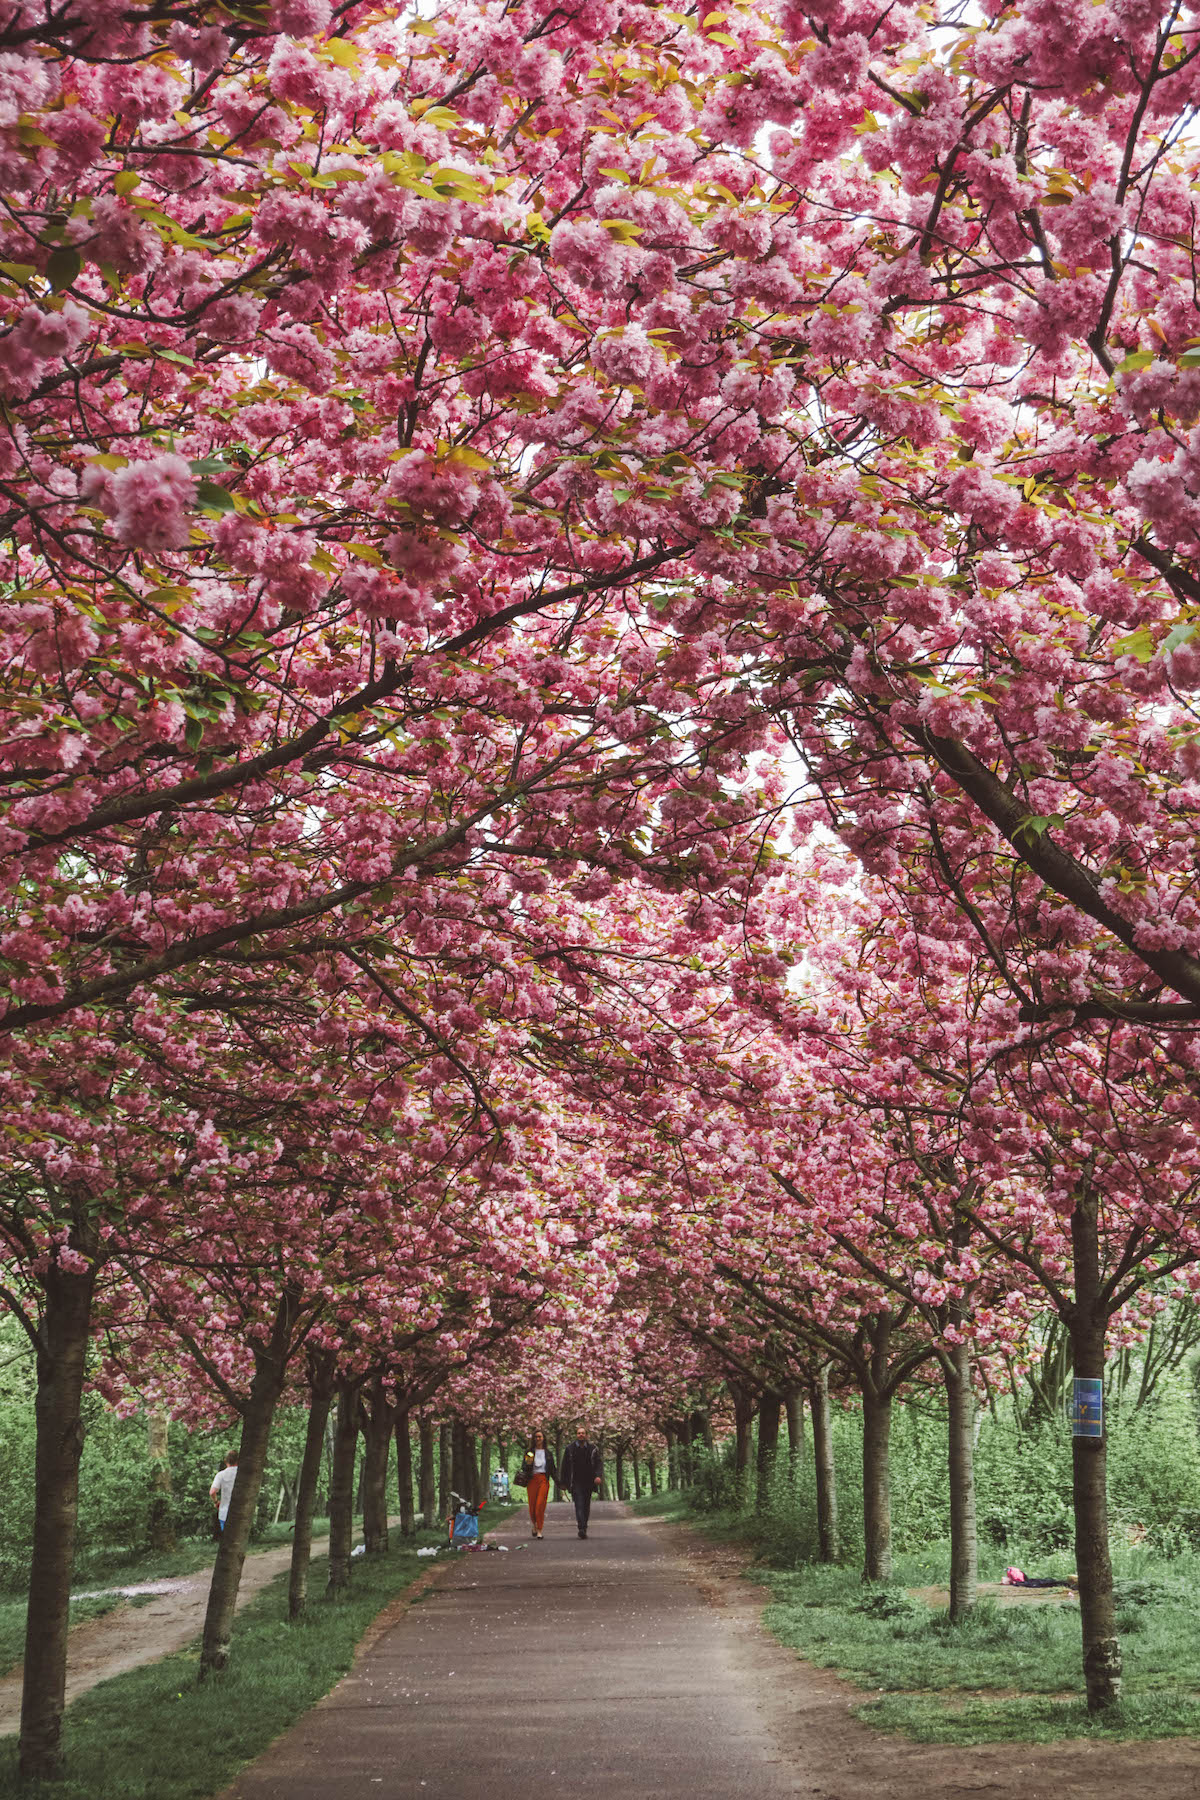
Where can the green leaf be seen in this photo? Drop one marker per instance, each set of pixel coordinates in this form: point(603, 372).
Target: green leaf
point(63, 266)
point(1139, 643)
point(1140, 359)
point(213, 498)
point(1037, 825)
point(1178, 634)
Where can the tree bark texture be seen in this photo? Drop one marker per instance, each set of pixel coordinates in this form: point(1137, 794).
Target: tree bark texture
point(61, 1362)
point(687, 1472)
point(964, 1542)
point(1089, 1456)
point(825, 1470)
point(258, 1414)
point(877, 1491)
point(161, 1520)
point(769, 1410)
point(404, 1475)
point(558, 1456)
point(320, 1399)
point(444, 1468)
point(460, 1479)
point(743, 1419)
point(793, 1402)
point(341, 1489)
point(428, 1473)
point(652, 1467)
point(378, 1420)
point(620, 1471)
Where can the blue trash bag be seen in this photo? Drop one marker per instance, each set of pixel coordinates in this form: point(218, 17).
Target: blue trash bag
point(466, 1529)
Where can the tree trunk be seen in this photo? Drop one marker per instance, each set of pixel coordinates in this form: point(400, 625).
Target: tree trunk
point(404, 1475)
point(327, 1464)
point(485, 1465)
point(769, 1411)
point(1089, 1455)
point(686, 1471)
point(637, 1476)
point(620, 1471)
point(444, 1469)
point(161, 1522)
point(652, 1465)
point(877, 1494)
point(61, 1360)
point(558, 1456)
point(377, 1428)
point(964, 1544)
point(270, 1367)
point(829, 1548)
point(672, 1458)
point(459, 1478)
point(428, 1474)
point(320, 1399)
point(472, 1490)
point(793, 1402)
point(341, 1489)
point(743, 1415)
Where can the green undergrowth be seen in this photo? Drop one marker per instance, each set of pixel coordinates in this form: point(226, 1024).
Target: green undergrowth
point(158, 1734)
point(1006, 1673)
point(661, 1506)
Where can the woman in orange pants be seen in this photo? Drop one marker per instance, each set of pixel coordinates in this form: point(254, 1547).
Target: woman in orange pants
point(538, 1466)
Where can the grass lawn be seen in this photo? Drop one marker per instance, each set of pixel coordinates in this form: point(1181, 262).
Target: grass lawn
point(1005, 1673)
point(157, 1734)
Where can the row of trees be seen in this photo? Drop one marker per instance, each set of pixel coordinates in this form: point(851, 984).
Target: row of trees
point(598, 757)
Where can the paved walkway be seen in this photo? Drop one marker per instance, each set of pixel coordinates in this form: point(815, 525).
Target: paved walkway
point(587, 1668)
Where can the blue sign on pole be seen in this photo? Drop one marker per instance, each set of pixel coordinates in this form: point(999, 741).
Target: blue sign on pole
point(1087, 1408)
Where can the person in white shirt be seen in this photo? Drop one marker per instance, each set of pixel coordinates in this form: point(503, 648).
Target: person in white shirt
point(222, 1488)
point(538, 1468)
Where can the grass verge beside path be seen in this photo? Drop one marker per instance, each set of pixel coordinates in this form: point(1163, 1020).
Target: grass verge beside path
point(117, 1568)
point(1007, 1673)
point(157, 1734)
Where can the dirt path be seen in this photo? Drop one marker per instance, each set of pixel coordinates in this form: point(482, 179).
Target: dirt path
point(130, 1636)
point(637, 1664)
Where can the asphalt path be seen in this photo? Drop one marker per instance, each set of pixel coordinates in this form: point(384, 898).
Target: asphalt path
point(592, 1667)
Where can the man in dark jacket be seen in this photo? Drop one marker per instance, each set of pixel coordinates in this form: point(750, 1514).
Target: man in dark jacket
point(582, 1472)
